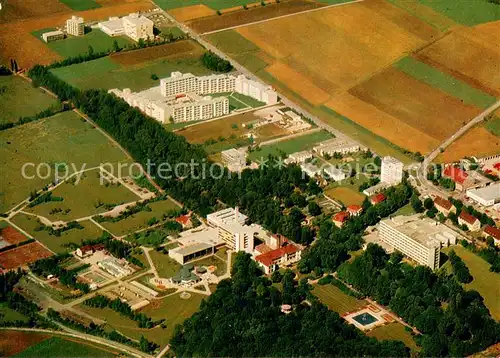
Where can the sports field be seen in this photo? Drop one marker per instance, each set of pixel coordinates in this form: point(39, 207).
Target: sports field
point(73, 46)
point(290, 146)
point(83, 196)
point(80, 5)
point(133, 70)
point(19, 99)
point(337, 300)
point(63, 138)
point(346, 195)
point(57, 244)
point(394, 331)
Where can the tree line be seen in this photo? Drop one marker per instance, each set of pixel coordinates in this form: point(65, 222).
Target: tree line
point(215, 63)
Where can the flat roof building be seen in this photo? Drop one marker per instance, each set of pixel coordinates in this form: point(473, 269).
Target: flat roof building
point(336, 145)
point(138, 27)
point(391, 171)
point(234, 159)
point(112, 27)
point(487, 196)
point(416, 237)
point(232, 229)
point(299, 157)
point(52, 36)
point(75, 26)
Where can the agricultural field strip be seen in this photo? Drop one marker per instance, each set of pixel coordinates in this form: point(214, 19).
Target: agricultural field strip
point(281, 17)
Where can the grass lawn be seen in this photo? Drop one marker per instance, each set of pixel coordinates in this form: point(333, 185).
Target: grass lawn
point(19, 99)
point(9, 315)
point(405, 210)
point(485, 282)
point(221, 266)
point(63, 138)
point(468, 13)
point(57, 244)
point(139, 220)
point(291, 146)
point(61, 347)
point(165, 266)
point(493, 126)
point(84, 197)
point(444, 82)
point(80, 5)
point(337, 300)
point(144, 279)
point(214, 4)
point(73, 46)
point(394, 331)
point(249, 101)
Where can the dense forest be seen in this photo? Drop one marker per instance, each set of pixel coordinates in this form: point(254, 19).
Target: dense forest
point(243, 318)
point(453, 321)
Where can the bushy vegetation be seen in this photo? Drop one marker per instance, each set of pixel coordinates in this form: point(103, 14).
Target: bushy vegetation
point(490, 254)
point(215, 63)
point(44, 198)
point(460, 270)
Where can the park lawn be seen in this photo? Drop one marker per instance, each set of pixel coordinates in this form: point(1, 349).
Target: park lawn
point(106, 74)
point(485, 282)
point(493, 126)
point(165, 266)
point(84, 197)
point(337, 300)
point(18, 98)
point(444, 82)
point(214, 4)
point(144, 279)
point(63, 138)
point(247, 100)
point(468, 13)
point(394, 331)
point(290, 146)
point(61, 347)
point(221, 265)
point(54, 243)
point(80, 5)
point(9, 315)
point(405, 210)
point(140, 220)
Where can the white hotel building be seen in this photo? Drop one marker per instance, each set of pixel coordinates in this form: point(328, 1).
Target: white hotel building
point(75, 26)
point(134, 26)
point(391, 171)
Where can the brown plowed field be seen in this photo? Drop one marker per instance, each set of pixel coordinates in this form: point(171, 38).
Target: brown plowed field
point(16, 40)
point(15, 10)
point(13, 342)
point(191, 12)
point(153, 53)
point(23, 255)
point(12, 236)
point(469, 54)
point(241, 16)
point(420, 106)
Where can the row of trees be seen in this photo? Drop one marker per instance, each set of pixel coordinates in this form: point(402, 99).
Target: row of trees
point(460, 270)
point(56, 108)
point(453, 321)
point(213, 62)
point(243, 318)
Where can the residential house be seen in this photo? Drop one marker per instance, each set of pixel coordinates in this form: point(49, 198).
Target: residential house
point(493, 232)
point(444, 206)
point(472, 223)
point(377, 198)
point(354, 210)
point(340, 218)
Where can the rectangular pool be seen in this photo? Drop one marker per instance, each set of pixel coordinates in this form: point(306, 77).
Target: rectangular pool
point(365, 319)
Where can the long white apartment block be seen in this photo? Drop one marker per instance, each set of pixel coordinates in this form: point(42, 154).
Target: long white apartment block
point(418, 238)
point(75, 26)
point(391, 171)
point(52, 36)
point(336, 145)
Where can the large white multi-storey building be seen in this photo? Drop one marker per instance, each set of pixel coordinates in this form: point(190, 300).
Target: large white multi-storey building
point(75, 26)
point(417, 238)
point(391, 171)
point(134, 26)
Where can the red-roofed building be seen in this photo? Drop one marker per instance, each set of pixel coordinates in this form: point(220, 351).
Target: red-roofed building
point(340, 218)
point(377, 198)
point(285, 255)
point(84, 251)
point(472, 223)
point(354, 210)
point(444, 206)
point(497, 166)
point(460, 177)
point(493, 232)
point(184, 220)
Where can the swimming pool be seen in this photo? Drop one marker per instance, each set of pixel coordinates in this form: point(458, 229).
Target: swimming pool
point(365, 319)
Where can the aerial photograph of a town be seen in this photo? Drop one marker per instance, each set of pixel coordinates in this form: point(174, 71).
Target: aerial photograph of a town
point(249, 178)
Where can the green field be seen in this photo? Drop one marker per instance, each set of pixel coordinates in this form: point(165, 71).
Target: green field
point(493, 126)
point(106, 74)
point(165, 266)
point(291, 146)
point(9, 315)
point(221, 265)
point(84, 197)
point(405, 210)
point(139, 220)
point(63, 138)
point(79, 45)
point(394, 331)
point(468, 13)
point(80, 5)
point(57, 244)
point(60, 347)
point(446, 83)
point(485, 282)
point(337, 300)
point(214, 4)
point(19, 99)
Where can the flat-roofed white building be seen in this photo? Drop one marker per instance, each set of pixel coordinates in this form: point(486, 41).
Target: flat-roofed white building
point(336, 145)
point(418, 238)
point(75, 26)
point(138, 27)
point(299, 157)
point(112, 27)
point(234, 159)
point(310, 169)
point(52, 36)
point(232, 229)
point(391, 171)
point(487, 196)
point(334, 173)
point(257, 90)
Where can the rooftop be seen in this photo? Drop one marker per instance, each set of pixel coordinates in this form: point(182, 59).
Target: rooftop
point(391, 160)
point(341, 216)
point(192, 248)
point(439, 201)
point(492, 231)
point(354, 208)
point(268, 258)
point(456, 174)
point(490, 192)
point(468, 217)
point(377, 198)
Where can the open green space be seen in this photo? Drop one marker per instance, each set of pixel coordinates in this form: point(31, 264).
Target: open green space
point(221, 265)
point(57, 244)
point(294, 145)
point(493, 126)
point(165, 266)
point(336, 300)
point(84, 195)
point(214, 4)
point(140, 220)
point(444, 82)
point(485, 282)
point(18, 98)
point(468, 13)
point(106, 74)
point(405, 210)
point(80, 5)
point(63, 138)
point(73, 46)
point(394, 331)
point(60, 347)
point(9, 315)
